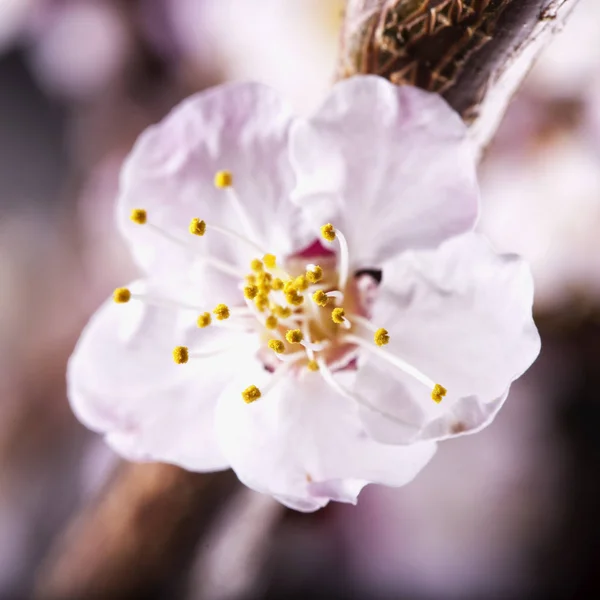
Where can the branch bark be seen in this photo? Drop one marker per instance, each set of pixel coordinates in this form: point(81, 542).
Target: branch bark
point(473, 52)
point(137, 537)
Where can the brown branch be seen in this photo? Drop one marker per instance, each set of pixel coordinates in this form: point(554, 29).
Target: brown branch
point(137, 537)
point(473, 52)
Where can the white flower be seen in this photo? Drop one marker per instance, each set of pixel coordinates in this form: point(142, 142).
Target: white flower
point(390, 169)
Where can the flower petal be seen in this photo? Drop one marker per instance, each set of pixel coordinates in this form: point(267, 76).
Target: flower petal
point(389, 166)
point(304, 443)
point(462, 316)
point(122, 381)
point(242, 128)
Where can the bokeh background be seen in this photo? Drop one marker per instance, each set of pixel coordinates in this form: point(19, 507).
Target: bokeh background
point(509, 513)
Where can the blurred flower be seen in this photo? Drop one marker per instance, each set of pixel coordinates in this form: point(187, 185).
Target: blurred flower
point(291, 46)
point(540, 179)
point(76, 48)
point(546, 206)
point(13, 18)
point(79, 48)
point(320, 390)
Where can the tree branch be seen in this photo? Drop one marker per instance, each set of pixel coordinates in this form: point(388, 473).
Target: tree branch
point(137, 537)
point(473, 52)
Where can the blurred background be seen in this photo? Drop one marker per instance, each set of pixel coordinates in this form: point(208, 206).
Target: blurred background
point(509, 513)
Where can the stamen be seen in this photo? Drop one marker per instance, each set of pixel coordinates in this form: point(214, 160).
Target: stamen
point(277, 284)
point(277, 346)
point(233, 235)
point(392, 359)
point(250, 279)
point(121, 295)
point(294, 336)
point(314, 273)
point(360, 320)
point(343, 391)
point(282, 312)
point(312, 365)
point(181, 355)
point(275, 378)
point(336, 294)
point(328, 232)
point(251, 394)
point(270, 261)
point(261, 302)
point(209, 260)
point(300, 283)
point(289, 287)
point(320, 298)
point(337, 315)
point(256, 265)
point(381, 337)
point(222, 312)
point(294, 298)
point(438, 393)
point(223, 179)
point(271, 322)
point(204, 320)
point(222, 266)
point(344, 268)
point(250, 292)
point(197, 227)
point(139, 216)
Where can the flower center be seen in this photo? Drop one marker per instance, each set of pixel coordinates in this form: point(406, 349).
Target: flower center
point(309, 316)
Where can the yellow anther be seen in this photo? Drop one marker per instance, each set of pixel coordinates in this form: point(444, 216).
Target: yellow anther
point(263, 278)
point(320, 298)
point(271, 322)
point(294, 336)
point(251, 394)
point(197, 227)
point(222, 312)
point(223, 179)
point(181, 355)
point(315, 274)
point(283, 312)
point(203, 320)
point(250, 292)
point(328, 232)
point(294, 298)
point(438, 393)
point(250, 279)
point(300, 283)
point(139, 216)
point(270, 261)
point(381, 337)
point(337, 315)
point(312, 365)
point(121, 295)
point(289, 287)
point(277, 346)
point(256, 265)
point(261, 302)
point(276, 284)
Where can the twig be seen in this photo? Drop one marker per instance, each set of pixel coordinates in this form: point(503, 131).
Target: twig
point(137, 537)
point(473, 52)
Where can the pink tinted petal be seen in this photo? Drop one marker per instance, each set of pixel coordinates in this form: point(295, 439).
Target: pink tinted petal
point(462, 316)
point(122, 381)
point(242, 128)
point(389, 166)
point(304, 443)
